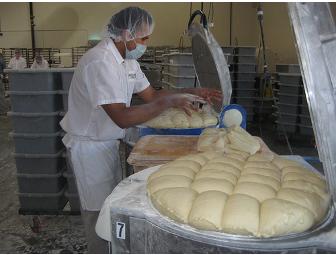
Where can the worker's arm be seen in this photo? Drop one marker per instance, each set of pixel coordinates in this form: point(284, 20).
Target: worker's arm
point(126, 117)
point(150, 94)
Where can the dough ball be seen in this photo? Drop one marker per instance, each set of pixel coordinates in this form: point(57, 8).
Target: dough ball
point(223, 167)
point(213, 131)
point(258, 191)
point(309, 177)
point(200, 159)
point(241, 215)
point(229, 161)
point(236, 156)
point(229, 150)
point(232, 117)
point(193, 165)
point(311, 201)
point(265, 172)
point(283, 162)
point(206, 143)
point(260, 179)
point(212, 154)
point(195, 121)
point(217, 174)
point(175, 203)
point(206, 184)
point(220, 143)
point(180, 120)
point(187, 172)
point(279, 217)
point(163, 122)
point(261, 157)
point(168, 181)
point(207, 210)
point(265, 165)
point(209, 120)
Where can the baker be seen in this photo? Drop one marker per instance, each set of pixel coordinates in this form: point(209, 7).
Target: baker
point(99, 110)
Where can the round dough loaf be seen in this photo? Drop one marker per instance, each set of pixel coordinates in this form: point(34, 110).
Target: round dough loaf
point(305, 177)
point(223, 167)
point(168, 181)
point(217, 174)
point(236, 156)
point(207, 210)
point(195, 157)
point(257, 178)
point(187, 172)
point(261, 157)
point(176, 203)
point(282, 162)
point(206, 184)
point(193, 165)
point(241, 215)
point(229, 161)
point(264, 165)
point(180, 120)
point(265, 172)
point(259, 191)
point(195, 121)
point(280, 217)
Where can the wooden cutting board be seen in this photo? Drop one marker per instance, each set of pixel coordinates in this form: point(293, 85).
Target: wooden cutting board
point(154, 150)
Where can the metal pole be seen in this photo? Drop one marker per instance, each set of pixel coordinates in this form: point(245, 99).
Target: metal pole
point(32, 27)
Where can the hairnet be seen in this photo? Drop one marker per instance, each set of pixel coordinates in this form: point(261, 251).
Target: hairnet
point(130, 23)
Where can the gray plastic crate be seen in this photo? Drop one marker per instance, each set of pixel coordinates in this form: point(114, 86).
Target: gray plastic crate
point(35, 122)
point(245, 50)
point(290, 78)
point(37, 143)
point(72, 186)
point(179, 58)
point(228, 50)
point(243, 84)
point(248, 59)
point(305, 120)
point(290, 89)
point(73, 201)
point(288, 98)
point(181, 70)
point(288, 108)
point(290, 68)
point(33, 80)
point(153, 76)
point(40, 183)
point(245, 76)
point(42, 201)
point(181, 81)
point(306, 130)
point(244, 92)
point(65, 96)
point(66, 79)
point(288, 127)
point(245, 68)
point(35, 102)
point(39, 163)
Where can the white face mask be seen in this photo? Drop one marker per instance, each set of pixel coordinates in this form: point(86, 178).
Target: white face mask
point(137, 52)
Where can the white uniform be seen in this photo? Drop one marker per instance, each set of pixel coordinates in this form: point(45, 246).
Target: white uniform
point(17, 63)
point(102, 77)
point(43, 65)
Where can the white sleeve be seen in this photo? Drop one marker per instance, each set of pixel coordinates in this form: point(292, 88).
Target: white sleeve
point(141, 82)
point(10, 65)
point(33, 66)
point(103, 84)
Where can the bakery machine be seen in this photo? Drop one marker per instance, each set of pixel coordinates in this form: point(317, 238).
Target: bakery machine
point(131, 224)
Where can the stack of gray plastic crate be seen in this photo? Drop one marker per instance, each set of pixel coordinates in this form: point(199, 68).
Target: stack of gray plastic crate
point(36, 105)
point(243, 76)
point(178, 71)
point(291, 108)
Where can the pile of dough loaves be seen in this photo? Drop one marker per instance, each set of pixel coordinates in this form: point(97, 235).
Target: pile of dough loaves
point(177, 118)
point(237, 192)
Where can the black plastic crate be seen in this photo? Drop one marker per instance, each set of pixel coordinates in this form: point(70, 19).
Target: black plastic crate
point(71, 181)
point(287, 118)
point(243, 84)
point(305, 120)
point(245, 59)
point(41, 183)
point(306, 130)
point(35, 122)
point(288, 127)
point(35, 102)
point(288, 108)
point(304, 110)
point(244, 93)
point(245, 50)
point(290, 78)
point(37, 143)
point(245, 76)
point(288, 98)
point(67, 78)
point(290, 89)
point(245, 68)
point(42, 201)
point(287, 68)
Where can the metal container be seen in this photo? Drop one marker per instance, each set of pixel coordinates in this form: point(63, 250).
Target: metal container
point(37, 143)
point(35, 122)
point(36, 202)
point(245, 68)
point(40, 183)
point(35, 102)
point(39, 163)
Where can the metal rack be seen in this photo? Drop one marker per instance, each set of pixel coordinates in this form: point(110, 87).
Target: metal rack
point(47, 53)
point(77, 53)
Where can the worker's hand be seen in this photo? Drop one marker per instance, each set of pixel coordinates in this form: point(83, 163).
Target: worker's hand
point(187, 102)
point(208, 94)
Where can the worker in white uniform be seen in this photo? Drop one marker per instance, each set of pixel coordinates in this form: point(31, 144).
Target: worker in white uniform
point(39, 63)
point(17, 62)
point(99, 110)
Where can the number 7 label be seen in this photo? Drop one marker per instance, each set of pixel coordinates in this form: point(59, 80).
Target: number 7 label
point(121, 230)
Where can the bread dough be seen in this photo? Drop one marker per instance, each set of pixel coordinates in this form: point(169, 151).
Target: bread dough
point(229, 161)
point(261, 157)
point(259, 191)
point(261, 171)
point(187, 172)
point(195, 157)
point(206, 143)
point(223, 167)
point(168, 181)
point(176, 203)
point(257, 178)
point(265, 165)
point(311, 201)
point(282, 162)
point(236, 156)
point(193, 165)
point(241, 215)
point(280, 217)
point(228, 150)
point(207, 210)
point(195, 121)
point(305, 177)
point(209, 120)
point(217, 174)
point(180, 120)
point(212, 154)
point(206, 184)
